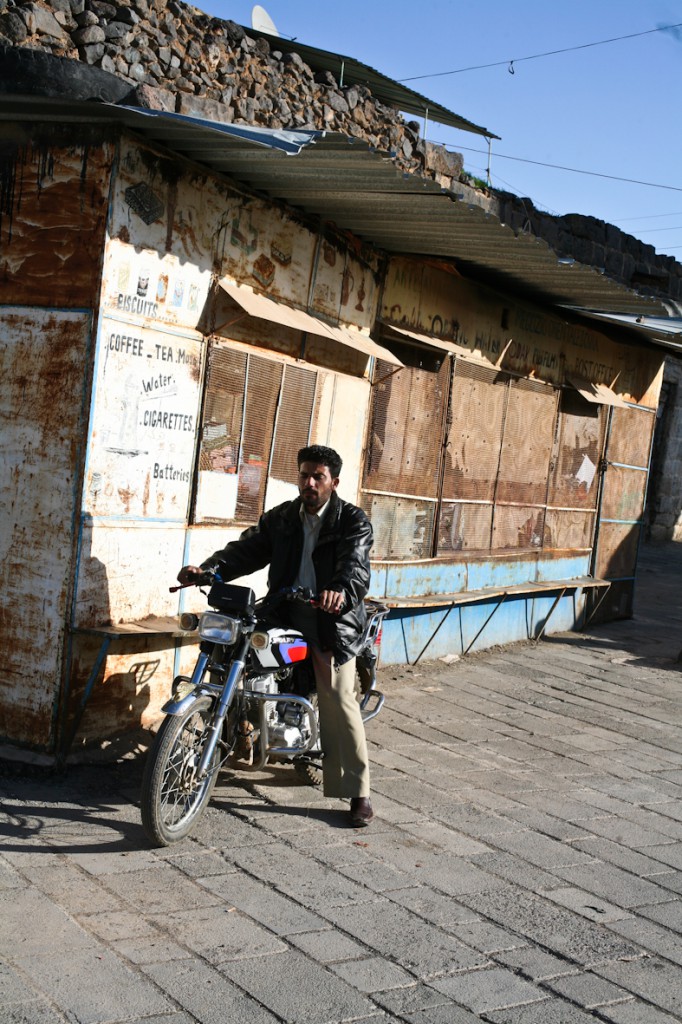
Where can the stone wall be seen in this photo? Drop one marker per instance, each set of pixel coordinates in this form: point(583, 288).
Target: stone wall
point(177, 58)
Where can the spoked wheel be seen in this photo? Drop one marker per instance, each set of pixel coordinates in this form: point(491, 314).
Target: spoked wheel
point(173, 799)
point(310, 771)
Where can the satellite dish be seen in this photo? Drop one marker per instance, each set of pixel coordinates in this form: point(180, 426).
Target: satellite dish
point(262, 22)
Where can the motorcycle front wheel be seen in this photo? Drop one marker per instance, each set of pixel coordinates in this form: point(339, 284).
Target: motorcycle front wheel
point(173, 799)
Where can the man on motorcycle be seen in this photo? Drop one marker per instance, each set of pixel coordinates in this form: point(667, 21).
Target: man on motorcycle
point(321, 542)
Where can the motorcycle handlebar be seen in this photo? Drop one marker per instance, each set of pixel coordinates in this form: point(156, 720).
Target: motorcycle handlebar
point(202, 579)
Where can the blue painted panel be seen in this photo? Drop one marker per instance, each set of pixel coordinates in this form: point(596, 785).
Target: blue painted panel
point(417, 580)
point(426, 578)
point(564, 568)
point(434, 632)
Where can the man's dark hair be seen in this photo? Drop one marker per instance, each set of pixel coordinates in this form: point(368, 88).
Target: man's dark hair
point(323, 456)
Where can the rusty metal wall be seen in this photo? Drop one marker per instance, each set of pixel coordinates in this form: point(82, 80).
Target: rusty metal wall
point(478, 405)
point(53, 208)
point(44, 358)
point(627, 456)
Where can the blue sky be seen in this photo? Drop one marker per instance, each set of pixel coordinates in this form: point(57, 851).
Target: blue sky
point(611, 109)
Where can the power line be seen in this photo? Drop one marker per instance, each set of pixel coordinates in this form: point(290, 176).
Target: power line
point(576, 170)
point(549, 53)
point(653, 216)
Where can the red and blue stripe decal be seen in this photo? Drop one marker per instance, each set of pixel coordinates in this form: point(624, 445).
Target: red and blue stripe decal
point(293, 652)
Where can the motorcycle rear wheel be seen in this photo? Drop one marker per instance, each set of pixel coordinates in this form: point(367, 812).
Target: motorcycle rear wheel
point(173, 799)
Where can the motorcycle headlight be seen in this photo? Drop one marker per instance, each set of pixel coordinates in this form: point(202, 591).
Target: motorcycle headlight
point(221, 629)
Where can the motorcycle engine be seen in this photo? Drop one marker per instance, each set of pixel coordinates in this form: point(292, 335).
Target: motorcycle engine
point(287, 723)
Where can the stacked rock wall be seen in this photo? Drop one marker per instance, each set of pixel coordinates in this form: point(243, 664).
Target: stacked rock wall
point(183, 60)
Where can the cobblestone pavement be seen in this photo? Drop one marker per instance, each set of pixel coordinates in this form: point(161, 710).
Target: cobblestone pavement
point(525, 865)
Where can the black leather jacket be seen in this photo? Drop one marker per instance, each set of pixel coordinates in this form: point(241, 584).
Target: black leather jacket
point(341, 560)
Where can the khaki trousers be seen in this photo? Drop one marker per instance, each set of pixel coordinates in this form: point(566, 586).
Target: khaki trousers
point(345, 765)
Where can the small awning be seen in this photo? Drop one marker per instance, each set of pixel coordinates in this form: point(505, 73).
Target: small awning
point(264, 308)
point(426, 339)
point(443, 345)
point(599, 394)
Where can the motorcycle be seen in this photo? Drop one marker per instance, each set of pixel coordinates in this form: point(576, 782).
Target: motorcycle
point(249, 701)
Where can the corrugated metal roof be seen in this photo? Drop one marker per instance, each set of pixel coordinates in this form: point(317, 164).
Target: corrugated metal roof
point(663, 331)
point(344, 181)
point(348, 71)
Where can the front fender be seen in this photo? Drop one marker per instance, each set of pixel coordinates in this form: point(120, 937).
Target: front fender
point(178, 707)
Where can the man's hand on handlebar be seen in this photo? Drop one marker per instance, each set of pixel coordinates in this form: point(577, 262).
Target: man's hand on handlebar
point(330, 601)
point(190, 574)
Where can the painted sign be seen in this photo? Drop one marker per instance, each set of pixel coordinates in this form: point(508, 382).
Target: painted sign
point(144, 423)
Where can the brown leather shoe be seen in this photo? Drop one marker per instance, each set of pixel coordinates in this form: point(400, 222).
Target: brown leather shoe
point(361, 812)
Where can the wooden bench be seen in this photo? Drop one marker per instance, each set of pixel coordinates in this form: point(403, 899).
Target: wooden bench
point(152, 626)
point(532, 588)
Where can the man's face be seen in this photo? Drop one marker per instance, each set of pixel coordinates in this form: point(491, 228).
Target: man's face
point(315, 485)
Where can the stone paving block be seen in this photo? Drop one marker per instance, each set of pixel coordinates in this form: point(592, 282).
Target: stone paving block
point(534, 964)
point(36, 1011)
point(158, 889)
point(434, 907)
point(113, 991)
point(542, 851)
point(667, 914)
point(665, 855)
point(563, 933)
point(587, 990)
point(14, 987)
point(278, 913)
point(219, 933)
point(551, 1011)
point(411, 792)
point(516, 870)
point(396, 933)
point(309, 883)
point(33, 924)
point(116, 925)
point(208, 995)
point(328, 946)
point(446, 1014)
point(651, 937)
point(379, 877)
point(586, 904)
point(272, 820)
point(10, 877)
point(452, 875)
point(552, 827)
point(107, 862)
point(150, 951)
point(489, 989)
point(636, 1012)
point(69, 887)
point(640, 864)
point(197, 863)
point(373, 974)
point(614, 885)
point(650, 978)
point(299, 990)
point(487, 938)
point(476, 822)
point(411, 999)
point(621, 829)
point(444, 838)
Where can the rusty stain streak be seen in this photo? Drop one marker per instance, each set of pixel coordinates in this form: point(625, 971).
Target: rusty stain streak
point(50, 246)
